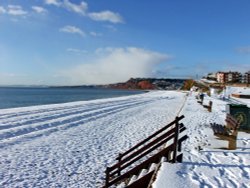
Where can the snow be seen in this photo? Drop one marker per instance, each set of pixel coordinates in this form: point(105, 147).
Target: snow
point(237, 90)
point(208, 81)
point(241, 101)
point(212, 166)
point(70, 145)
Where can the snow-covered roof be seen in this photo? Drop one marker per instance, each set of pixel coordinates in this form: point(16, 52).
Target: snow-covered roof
point(237, 90)
point(208, 81)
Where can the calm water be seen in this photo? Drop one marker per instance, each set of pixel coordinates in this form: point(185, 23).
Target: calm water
point(21, 97)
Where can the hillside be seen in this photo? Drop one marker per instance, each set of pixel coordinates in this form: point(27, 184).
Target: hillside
point(149, 84)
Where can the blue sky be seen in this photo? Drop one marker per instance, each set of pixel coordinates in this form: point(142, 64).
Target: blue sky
point(71, 42)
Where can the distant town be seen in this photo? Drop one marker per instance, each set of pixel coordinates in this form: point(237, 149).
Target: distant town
point(229, 77)
point(218, 79)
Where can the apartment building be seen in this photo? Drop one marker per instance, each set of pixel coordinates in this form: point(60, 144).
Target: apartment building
point(225, 77)
point(246, 78)
point(221, 77)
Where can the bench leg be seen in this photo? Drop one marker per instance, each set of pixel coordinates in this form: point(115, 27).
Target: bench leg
point(232, 143)
point(235, 133)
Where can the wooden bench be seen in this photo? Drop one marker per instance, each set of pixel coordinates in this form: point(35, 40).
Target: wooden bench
point(200, 98)
point(227, 132)
point(220, 129)
point(230, 129)
point(199, 101)
point(232, 123)
point(209, 106)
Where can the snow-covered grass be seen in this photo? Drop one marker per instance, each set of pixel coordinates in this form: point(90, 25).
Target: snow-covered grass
point(70, 145)
point(212, 166)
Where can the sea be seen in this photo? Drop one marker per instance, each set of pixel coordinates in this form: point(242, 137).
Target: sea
point(12, 97)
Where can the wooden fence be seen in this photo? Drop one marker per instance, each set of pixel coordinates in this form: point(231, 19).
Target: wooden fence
point(166, 142)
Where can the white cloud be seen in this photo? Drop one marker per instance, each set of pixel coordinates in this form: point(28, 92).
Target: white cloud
point(8, 78)
point(2, 10)
point(79, 9)
point(115, 65)
point(16, 10)
point(111, 28)
point(39, 9)
point(73, 30)
point(106, 16)
point(241, 67)
point(82, 9)
point(244, 50)
point(53, 2)
point(94, 34)
point(76, 8)
point(78, 51)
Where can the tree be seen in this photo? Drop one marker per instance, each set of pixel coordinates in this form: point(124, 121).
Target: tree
point(188, 84)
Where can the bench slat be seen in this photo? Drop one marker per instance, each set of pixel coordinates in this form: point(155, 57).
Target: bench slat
point(232, 125)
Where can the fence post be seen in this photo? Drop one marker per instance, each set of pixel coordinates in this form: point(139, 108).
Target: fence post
point(107, 178)
point(119, 163)
point(210, 106)
point(176, 139)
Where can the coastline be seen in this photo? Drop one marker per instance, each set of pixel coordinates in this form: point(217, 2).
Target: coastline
point(17, 97)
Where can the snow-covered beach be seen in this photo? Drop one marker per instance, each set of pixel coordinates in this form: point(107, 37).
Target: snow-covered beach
point(70, 145)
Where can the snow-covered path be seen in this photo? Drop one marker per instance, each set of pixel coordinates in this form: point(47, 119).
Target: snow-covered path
point(69, 145)
point(212, 166)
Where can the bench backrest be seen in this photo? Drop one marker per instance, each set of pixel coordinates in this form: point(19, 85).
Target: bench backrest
point(232, 123)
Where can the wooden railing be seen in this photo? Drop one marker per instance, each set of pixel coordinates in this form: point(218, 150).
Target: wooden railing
point(145, 150)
